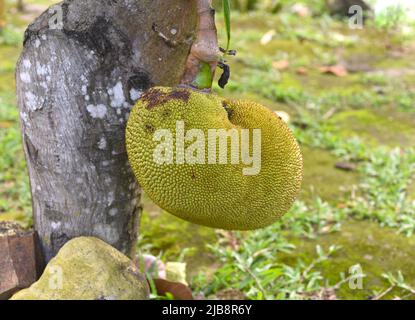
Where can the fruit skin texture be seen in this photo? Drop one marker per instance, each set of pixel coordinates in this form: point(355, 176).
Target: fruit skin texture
point(214, 195)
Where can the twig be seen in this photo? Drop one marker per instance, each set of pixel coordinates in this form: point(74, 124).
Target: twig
point(382, 294)
point(329, 114)
point(258, 283)
point(309, 268)
point(205, 47)
point(248, 270)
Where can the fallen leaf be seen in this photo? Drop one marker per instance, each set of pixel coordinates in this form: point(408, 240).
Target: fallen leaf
point(337, 70)
point(280, 65)
point(325, 229)
point(301, 10)
point(301, 71)
point(346, 166)
point(267, 37)
point(6, 124)
point(178, 290)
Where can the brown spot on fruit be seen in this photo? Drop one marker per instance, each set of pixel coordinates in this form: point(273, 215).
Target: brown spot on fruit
point(228, 110)
point(149, 128)
point(180, 94)
point(166, 113)
point(155, 97)
point(152, 97)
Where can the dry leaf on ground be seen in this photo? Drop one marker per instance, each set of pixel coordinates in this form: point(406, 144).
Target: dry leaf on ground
point(337, 70)
point(280, 64)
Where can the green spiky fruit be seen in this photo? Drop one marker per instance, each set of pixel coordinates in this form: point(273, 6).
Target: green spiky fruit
point(186, 171)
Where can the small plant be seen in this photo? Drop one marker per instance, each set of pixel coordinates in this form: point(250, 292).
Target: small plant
point(10, 36)
point(396, 282)
point(391, 18)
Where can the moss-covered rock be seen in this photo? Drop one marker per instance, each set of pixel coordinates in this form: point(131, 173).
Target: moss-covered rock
point(87, 268)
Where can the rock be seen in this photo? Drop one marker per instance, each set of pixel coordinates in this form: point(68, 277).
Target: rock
point(87, 268)
point(20, 259)
point(301, 71)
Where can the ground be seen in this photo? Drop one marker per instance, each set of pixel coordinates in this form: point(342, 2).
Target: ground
point(356, 130)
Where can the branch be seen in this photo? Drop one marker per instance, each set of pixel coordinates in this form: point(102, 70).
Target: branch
point(205, 48)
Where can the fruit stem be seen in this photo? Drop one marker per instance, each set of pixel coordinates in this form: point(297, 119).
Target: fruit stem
point(204, 53)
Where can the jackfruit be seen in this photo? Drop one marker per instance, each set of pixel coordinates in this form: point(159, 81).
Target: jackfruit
point(227, 164)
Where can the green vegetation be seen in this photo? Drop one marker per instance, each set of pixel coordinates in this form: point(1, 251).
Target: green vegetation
point(365, 119)
point(14, 182)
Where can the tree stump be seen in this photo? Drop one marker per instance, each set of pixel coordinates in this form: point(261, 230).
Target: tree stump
point(20, 259)
point(83, 66)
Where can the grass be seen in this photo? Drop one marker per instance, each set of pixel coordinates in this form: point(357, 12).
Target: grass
point(15, 202)
point(325, 111)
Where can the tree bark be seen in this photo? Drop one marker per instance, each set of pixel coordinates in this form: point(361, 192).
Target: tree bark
point(20, 6)
point(76, 85)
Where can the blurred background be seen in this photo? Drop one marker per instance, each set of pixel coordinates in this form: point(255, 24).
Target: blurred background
point(346, 86)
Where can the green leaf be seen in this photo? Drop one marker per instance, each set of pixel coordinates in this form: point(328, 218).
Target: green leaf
point(203, 78)
point(227, 15)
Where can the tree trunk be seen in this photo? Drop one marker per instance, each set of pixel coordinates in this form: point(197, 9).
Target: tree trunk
point(76, 84)
point(20, 5)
